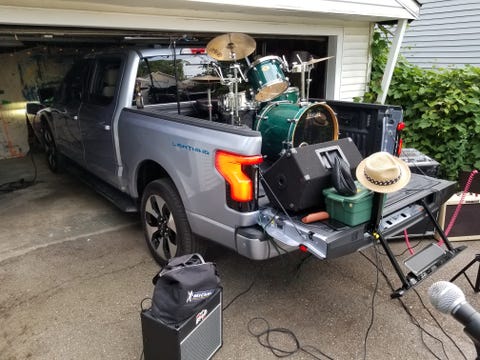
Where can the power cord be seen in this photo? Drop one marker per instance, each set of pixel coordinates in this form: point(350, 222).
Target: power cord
point(22, 183)
point(372, 312)
point(263, 338)
point(255, 278)
point(412, 317)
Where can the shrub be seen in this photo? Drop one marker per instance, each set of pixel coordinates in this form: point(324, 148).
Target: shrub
point(441, 108)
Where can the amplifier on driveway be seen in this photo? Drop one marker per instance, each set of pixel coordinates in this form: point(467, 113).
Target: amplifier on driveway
point(197, 338)
point(466, 226)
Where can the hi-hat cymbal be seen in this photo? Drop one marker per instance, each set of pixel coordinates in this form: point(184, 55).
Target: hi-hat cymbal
point(206, 78)
point(314, 61)
point(223, 47)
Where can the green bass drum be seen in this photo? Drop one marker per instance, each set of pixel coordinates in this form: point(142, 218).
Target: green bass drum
point(285, 125)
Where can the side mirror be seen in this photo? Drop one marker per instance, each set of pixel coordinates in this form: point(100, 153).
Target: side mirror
point(33, 108)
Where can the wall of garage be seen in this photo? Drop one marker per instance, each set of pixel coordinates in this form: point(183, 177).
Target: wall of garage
point(22, 73)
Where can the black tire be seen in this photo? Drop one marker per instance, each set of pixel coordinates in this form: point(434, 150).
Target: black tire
point(54, 158)
point(165, 224)
point(33, 142)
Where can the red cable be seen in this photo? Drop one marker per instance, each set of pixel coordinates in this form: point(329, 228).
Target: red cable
point(407, 241)
point(459, 205)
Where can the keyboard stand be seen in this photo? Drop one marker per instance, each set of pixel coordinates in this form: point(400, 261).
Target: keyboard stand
point(423, 263)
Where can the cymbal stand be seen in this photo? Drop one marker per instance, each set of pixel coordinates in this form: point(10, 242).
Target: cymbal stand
point(304, 67)
point(236, 80)
point(209, 104)
point(309, 80)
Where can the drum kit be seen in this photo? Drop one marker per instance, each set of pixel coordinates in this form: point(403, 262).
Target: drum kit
point(284, 115)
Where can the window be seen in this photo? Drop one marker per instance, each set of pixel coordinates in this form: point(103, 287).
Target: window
point(106, 80)
point(72, 88)
point(160, 75)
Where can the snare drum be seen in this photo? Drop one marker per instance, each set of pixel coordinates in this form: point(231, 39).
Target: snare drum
point(267, 78)
point(284, 125)
point(227, 102)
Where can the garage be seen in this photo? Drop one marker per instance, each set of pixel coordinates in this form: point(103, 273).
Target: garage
point(74, 268)
point(39, 42)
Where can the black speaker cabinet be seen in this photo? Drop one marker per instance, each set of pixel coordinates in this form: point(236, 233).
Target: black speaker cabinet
point(197, 338)
point(296, 179)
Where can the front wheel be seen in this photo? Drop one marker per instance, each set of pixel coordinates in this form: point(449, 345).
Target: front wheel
point(165, 223)
point(53, 156)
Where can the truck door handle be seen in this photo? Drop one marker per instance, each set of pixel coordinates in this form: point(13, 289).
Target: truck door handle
point(104, 126)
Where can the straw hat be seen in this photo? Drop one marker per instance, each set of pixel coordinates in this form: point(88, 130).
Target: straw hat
point(383, 173)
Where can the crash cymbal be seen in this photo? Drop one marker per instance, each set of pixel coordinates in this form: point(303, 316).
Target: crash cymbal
point(224, 46)
point(314, 61)
point(206, 78)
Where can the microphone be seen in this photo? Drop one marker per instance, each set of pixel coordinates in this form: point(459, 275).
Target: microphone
point(447, 297)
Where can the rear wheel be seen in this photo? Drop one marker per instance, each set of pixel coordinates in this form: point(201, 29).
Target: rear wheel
point(53, 156)
point(165, 223)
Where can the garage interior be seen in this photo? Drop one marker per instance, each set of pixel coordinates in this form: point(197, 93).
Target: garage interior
point(74, 269)
point(34, 58)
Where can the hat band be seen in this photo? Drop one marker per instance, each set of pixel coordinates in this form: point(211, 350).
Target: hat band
point(383, 183)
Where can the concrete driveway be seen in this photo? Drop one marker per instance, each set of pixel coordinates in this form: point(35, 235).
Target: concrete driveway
point(74, 269)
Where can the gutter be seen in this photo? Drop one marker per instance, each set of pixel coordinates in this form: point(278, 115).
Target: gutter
point(392, 59)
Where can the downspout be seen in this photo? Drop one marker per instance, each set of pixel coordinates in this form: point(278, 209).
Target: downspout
point(392, 59)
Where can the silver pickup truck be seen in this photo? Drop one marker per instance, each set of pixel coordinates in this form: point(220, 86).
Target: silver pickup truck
point(195, 175)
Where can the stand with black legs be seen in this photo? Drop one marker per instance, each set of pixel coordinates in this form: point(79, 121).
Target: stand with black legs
point(421, 264)
point(475, 287)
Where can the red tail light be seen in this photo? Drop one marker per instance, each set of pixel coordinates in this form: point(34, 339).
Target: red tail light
point(399, 148)
point(231, 167)
point(398, 139)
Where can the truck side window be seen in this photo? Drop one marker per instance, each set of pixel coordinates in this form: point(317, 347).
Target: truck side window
point(159, 77)
point(72, 87)
point(105, 81)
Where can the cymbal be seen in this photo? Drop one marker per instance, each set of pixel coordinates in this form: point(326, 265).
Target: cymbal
point(314, 61)
point(224, 46)
point(206, 78)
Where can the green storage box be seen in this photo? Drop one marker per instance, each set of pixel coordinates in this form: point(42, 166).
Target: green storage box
point(350, 210)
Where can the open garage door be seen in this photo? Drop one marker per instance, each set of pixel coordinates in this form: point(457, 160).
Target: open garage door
point(36, 58)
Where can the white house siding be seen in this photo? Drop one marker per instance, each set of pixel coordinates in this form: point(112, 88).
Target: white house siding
point(446, 34)
point(355, 61)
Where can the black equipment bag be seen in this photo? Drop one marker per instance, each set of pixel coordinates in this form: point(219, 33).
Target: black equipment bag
point(182, 287)
point(342, 178)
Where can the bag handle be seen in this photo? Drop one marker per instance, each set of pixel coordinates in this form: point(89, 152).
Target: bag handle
point(185, 260)
point(179, 261)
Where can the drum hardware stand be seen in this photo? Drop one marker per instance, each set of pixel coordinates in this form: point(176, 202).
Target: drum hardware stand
point(232, 83)
point(303, 69)
point(208, 79)
point(209, 104)
point(309, 80)
point(411, 279)
point(475, 287)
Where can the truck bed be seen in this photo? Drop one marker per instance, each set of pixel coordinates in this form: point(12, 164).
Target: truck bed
point(330, 239)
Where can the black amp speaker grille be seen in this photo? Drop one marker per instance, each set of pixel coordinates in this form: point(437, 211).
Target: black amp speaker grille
point(206, 339)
